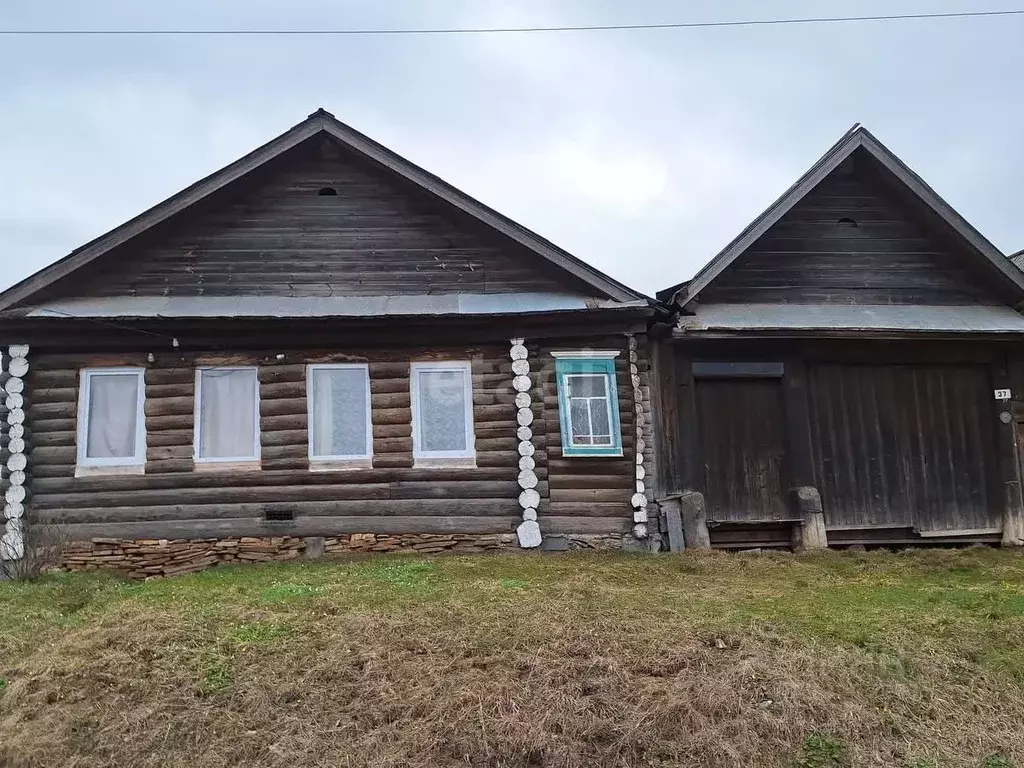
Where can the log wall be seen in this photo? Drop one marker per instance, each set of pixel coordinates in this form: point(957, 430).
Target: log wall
point(591, 494)
point(392, 496)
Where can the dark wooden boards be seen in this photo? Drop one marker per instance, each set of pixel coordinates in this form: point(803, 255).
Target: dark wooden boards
point(273, 234)
point(742, 428)
point(908, 445)
point(851, 240)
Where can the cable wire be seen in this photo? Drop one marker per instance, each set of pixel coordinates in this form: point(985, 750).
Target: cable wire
point(513, 30)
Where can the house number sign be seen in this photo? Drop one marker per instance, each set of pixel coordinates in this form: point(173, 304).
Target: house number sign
point(1002, 394)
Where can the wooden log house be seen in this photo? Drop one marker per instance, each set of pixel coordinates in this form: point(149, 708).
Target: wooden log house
point(849, 370)
point(323, 343)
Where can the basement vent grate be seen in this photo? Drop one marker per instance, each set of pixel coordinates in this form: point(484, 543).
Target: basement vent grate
point(279, 515)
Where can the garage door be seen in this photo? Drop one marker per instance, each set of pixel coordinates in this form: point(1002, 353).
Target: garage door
point(905, 445)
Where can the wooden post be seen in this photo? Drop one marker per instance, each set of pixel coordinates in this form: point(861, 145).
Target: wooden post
point(1009, 464)
point(805, 500)
point(692, 504)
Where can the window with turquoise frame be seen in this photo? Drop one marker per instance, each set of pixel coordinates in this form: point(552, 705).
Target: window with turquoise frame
point(588, 403)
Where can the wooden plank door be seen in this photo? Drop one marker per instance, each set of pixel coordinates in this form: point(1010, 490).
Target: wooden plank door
point(743, 440)
point(906, 445)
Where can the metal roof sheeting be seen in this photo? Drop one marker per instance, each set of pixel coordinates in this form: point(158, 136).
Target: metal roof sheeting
point(326, 306)
point(863, 317)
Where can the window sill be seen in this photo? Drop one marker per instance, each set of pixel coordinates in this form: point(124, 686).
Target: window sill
point(252, 465)
point(339, 465)
point(583, 453)
point(101, 471)
point(463, 462)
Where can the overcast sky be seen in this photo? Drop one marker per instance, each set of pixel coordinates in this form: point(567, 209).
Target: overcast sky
point(642, 152)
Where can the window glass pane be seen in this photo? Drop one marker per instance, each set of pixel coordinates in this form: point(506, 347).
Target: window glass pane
point(587, 385)
point(579, 421)
point(227, 419)
point(442, 410)
point(339, 412)
point(599, 418)
point(112, 415)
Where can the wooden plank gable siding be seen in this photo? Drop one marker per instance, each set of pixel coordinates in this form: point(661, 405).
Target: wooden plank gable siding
point(172, 499)
point(851, 240)
point(273, 234)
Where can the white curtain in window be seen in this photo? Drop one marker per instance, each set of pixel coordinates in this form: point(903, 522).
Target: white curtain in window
point(112, 415)
point(442, 410)
point(227, 419)
point(339, 412)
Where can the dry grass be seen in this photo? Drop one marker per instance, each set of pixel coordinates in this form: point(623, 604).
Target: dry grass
point(714, 660)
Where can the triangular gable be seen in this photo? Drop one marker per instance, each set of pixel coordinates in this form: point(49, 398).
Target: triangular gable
point(984, 256)
point(323, 124)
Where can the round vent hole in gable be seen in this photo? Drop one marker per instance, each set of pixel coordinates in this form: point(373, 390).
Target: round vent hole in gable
point(847, 222)
point(327, 192)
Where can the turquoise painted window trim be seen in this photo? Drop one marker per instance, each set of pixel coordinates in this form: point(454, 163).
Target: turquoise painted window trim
point(566, 369)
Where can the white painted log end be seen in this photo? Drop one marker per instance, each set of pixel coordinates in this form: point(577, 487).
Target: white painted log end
point(529, 514)
point(527, 462)
point(518, 352)
point(640, 531)
point(18, 350)
point(519, 383)
point(15, 494)
point(639, 515)
point(529, 534)
point(523, 400)
point(525, 449)
point(529, 499)
point(18, 366)
point(12, 546)
point(14, 510)
point(520, 367)
point(527, 479)
point(524, 417)
point(524, 433)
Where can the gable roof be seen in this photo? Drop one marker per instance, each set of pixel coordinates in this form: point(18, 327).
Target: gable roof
point(858, 137)
point(319, 122)
point(1017, 258)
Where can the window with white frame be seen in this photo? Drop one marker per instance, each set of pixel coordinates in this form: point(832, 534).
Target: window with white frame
point(111, 425)
point(339, 412)
point(227, 414)
point(588, 403)
point(442, 410)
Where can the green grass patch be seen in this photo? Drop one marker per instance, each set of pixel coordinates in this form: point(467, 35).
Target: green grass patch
point(770, 660)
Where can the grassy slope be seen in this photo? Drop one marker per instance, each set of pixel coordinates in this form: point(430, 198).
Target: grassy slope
point(733, 660)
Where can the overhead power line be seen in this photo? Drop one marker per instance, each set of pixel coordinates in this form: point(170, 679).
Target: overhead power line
point(506, 30)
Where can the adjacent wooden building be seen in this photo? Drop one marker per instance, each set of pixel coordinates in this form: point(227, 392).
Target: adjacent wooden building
point(847, 371)
point(323, 345)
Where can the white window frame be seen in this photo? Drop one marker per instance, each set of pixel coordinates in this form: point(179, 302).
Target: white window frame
point(84, 393)
point(311, 410)
point(197, 417)
point(608, 383)
point(442, 366)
